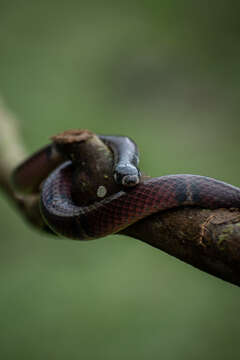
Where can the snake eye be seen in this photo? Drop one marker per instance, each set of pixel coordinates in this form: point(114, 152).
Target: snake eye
point(127, 175)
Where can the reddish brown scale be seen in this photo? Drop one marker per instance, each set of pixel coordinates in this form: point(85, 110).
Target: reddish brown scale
point(28, 176)
point(118, 211)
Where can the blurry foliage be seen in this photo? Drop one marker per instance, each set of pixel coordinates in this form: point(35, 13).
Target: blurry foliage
point(167, 74)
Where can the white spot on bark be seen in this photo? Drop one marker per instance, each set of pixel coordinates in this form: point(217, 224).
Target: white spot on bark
point(101, 191)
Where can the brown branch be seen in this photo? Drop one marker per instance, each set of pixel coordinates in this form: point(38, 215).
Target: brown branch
point(12, 152)
point(206, 239)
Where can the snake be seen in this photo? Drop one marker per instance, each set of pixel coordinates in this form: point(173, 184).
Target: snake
point(137, 199)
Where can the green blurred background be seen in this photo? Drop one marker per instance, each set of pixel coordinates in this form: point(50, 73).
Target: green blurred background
point(167, 74)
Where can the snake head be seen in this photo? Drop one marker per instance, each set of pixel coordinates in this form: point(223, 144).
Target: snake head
point(127, 175)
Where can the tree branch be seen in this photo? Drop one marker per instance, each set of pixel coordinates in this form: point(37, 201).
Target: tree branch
point(206, 239)
point(13, 152)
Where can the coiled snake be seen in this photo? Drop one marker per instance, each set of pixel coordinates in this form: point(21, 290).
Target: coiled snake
point(136, 200)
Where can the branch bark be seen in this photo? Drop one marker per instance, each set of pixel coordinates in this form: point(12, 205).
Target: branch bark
point(206, 239)
point(13, 152)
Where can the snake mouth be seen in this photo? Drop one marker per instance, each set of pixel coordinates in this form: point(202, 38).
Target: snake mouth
point(127, 175)
point(130, 180)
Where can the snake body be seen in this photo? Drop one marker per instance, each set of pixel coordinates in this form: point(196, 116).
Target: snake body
point(120, 210)
point(132, 203)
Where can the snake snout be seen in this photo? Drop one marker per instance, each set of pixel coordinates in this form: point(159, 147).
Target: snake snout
point(130, 180)
point(127, 175)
